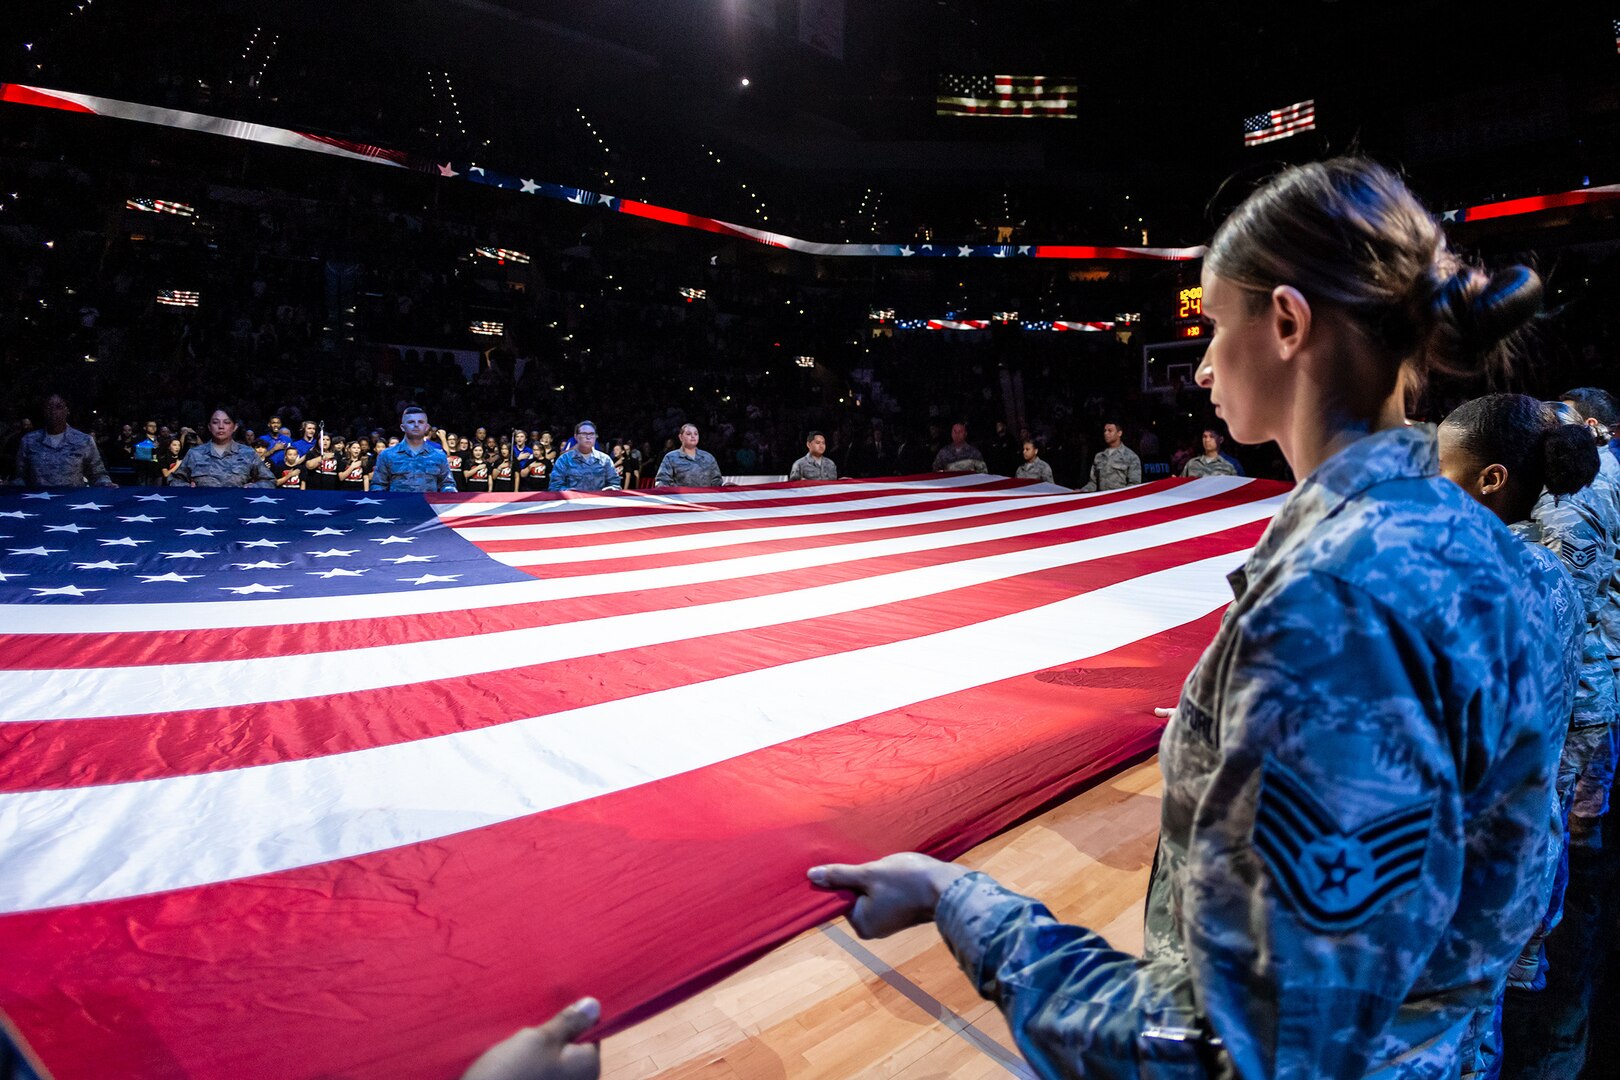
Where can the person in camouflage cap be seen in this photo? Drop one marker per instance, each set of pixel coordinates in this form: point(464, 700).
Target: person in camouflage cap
point(1358, 779)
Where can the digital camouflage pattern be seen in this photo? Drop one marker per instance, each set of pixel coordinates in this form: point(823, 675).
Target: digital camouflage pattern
point(1357, 814)
point(238, 466)
point(1035, 470)
point(1576, 528)
point(810, 468)
point(963, 458)
point(1202, 466)
point(1114, 468)
point(574, 473)
point(74, 463)
point(678, 470)
point(401, 468)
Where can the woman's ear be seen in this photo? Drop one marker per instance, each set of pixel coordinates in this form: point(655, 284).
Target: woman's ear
point(1291, 320)
point(1492, 478)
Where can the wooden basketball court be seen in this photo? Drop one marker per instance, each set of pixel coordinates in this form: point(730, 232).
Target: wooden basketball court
point(828, 1005)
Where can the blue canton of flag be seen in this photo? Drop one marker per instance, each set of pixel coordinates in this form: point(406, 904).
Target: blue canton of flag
point(134, 546)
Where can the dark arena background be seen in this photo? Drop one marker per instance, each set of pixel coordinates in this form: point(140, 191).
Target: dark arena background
point(761, 218)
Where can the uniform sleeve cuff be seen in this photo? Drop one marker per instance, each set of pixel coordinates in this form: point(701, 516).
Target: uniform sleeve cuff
point(968, 914)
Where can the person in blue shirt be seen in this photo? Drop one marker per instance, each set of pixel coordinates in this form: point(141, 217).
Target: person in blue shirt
point(1358, 778)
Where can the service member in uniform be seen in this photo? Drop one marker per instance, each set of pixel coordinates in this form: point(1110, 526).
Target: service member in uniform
point(58, 455)
point(1333, 894)
point(1116, 465)
point(959, 455)
point(815, 465)
point(687, 466)
point(1514, 455)
point(415, 464)
point(222, 461)
point(1210, 462)
point(583, 467)
point(1033, 467)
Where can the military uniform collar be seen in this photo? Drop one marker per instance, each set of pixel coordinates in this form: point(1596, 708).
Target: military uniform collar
point(1404, 453)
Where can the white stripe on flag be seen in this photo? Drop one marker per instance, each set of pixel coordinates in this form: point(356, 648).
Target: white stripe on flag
point(68, 694)
point(98, 843)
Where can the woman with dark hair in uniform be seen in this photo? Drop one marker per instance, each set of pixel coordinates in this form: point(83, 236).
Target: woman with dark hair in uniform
point(1359, 775)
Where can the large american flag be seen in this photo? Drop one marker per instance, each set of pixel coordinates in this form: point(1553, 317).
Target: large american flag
point(307, 784)
point(1025, 96)
point(1279, 123)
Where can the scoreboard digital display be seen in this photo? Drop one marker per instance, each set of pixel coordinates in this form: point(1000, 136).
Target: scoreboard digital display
point(1190, 303)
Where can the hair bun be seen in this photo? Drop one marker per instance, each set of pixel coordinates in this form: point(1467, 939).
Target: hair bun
point(1473, 313)
point(1570, 459)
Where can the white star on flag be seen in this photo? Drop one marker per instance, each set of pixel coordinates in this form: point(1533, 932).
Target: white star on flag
point(187, 554)
point(337, 571)
point(104, 564)
point(366, 501)
point(37, 551)
point(318, 511)
point(412, 558)
point(181, 578)
point(906, 250)
point(198, 531)
point(262, 564)
point(7, 577)
point(123, 541)
point(379, 521)
point(66, 590)
point(18, 514)
point(265, 543)
point(249, 590)
point(394, 540)
point(328, 531)
point(75, 529)
point(153, 498)
point(88, 506)
point(264, 499)
point(141, 518)
point(428, 579)
point(333, 553)
point(964, 251)
point(262, 520)
point(530, 187)
point(204, 509)
point(40, 495)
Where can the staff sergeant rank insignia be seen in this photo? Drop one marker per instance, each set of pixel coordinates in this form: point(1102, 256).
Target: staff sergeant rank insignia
point(1335, 878)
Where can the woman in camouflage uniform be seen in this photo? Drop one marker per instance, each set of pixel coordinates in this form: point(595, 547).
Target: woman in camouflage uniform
point(1358, 778)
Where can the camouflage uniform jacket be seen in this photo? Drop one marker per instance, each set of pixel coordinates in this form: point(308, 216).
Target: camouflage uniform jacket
point(574, 473)
point(1202, 466)
point(237, 467)
point(1114, 468)
point(1357, 807)
point(1607, 486)
point(1575, 528)
point(813, 468)
point(399, 468)
point(678, 470)
point(73, 463)
point(1035, 470)
point(954, 458)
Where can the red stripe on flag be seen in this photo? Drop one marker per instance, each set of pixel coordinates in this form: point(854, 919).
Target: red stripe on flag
point(26, 95)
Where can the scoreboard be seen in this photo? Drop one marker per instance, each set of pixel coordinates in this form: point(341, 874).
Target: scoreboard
point(1189, 320)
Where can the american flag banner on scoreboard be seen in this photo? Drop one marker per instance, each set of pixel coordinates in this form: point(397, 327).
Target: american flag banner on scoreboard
point(1279, 123)
point(1022, 96)
point(309, 784)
